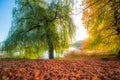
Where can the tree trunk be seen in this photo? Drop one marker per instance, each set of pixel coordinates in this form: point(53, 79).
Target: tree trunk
point(51, 52)
point(49, 42)
point(119, 54)
point(51, 48)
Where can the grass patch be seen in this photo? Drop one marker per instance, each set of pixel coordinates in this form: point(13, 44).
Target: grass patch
point(102, 55)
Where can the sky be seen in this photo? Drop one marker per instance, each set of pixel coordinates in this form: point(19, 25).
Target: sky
point(6, 7)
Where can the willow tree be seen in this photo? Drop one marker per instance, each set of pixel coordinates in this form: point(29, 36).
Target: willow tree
point(40, 25)
point(102, 20)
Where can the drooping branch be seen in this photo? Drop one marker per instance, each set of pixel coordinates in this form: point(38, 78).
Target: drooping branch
point(34, 27)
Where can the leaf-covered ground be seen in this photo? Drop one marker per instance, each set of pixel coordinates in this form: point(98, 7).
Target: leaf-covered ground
point(79, 69)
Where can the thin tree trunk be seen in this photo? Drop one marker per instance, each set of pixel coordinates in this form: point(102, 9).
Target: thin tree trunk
point(119, 54)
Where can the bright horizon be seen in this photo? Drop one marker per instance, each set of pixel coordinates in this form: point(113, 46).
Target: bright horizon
point(6, 18)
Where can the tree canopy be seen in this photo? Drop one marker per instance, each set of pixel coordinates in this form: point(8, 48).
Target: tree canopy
point(102, 20)
point(40, 25)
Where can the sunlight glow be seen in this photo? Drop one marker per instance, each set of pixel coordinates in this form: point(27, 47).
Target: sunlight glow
point(81, 32)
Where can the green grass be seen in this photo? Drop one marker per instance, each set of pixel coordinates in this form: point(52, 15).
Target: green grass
point(92, 55)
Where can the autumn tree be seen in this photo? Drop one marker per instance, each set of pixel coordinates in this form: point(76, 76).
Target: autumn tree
point(40, 25)
point(102, 20)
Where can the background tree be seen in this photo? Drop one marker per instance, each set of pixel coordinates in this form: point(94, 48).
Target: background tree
point(102, 20)
point(40, 25)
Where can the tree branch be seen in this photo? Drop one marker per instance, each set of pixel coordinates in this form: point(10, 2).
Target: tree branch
point(34, 27)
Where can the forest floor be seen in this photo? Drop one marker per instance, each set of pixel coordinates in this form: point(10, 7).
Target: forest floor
point(60, 69)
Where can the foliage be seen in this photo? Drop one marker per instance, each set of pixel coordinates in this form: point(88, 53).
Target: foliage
point(102, 20)
point(40, 25)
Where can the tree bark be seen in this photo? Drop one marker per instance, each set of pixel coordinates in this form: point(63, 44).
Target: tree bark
point(51, 47)
point(51, 52)
point(119, 54)
point(49, 43)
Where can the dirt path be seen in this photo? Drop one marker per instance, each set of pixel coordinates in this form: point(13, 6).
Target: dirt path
point(59, 70)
